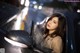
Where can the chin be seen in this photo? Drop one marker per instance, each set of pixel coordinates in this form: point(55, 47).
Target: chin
point(48, 28)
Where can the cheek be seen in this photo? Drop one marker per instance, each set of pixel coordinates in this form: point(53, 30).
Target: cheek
point(54, 26)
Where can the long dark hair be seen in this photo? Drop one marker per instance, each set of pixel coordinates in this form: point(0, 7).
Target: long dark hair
point(61, 25)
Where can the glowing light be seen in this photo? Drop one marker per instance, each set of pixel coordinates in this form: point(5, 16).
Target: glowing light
point(24, 12)
point(78, 10)
point(17, 23)
point(79, 23)
point(71, 46)
point(34, 2)
point(35, 6)
point(45, 20)
point(27, 3)
point(40, 7)
point(12, 18)
point(13, 38)
point(19, 18)
point(22, 2)
point(15, 43)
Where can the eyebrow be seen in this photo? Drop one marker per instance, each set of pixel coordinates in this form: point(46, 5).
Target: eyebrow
point(55, 21)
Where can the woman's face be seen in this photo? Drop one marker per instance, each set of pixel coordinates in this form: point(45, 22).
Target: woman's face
point(52, 24)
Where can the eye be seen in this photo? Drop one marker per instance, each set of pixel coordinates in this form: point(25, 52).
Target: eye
point(54, 22)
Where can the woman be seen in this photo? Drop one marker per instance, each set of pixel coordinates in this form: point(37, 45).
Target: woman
point(50, 40)
point(54, 31)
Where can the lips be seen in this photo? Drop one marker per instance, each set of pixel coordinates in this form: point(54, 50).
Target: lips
point(48, 25)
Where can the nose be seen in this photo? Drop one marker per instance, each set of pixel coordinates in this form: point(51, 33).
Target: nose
point(50, 22)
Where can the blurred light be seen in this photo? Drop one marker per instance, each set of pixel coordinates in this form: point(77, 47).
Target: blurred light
point(15, 43)
point(12, 18)
point(18, 22)
point(22, 2)
point(24, 12)
point(19, 18)
point(47, 18)
point(37, 23)
point(79, 23)
point(35, 6)
point(71, 46)
point(34, 2)
point(41, 23)
point(13, 38)
point(40, 7)
point(27, 3)
point(78, 10)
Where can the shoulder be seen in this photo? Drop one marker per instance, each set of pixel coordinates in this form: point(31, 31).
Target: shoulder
point(57, 44)
point(57, 39)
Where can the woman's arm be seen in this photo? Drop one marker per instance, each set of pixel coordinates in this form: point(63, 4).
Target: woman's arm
point(57, 45)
